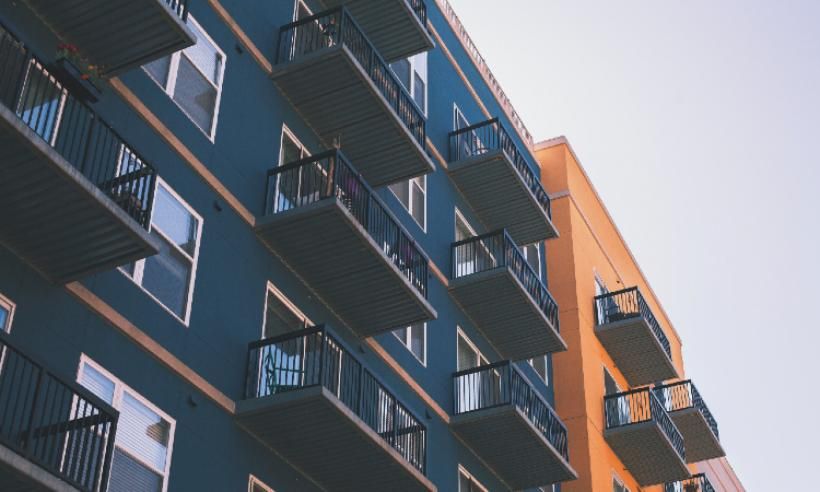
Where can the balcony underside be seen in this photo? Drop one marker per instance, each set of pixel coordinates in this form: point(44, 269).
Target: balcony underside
point(315, 432)
point(701, 443)
point(17, 474)
point(391, 25)
point(647, 453)
point(495, 190)
point(505, 313)
point(53, 217)
point(116, 35)
point(636, 351)
point(510, 444)
point(325, 245)
point(333, 93)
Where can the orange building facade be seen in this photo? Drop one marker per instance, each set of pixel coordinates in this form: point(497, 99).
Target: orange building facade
point(634, 421)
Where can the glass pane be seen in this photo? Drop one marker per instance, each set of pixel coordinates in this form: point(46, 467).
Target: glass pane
point(204, 55)
point(280, 319)
point(540, 366)
point(195, 95)
point(401, 333)
point(419, 92)
point(97, 383)
point(467, 357)
point(159, 70)
point(417, 335)
point(166, 275)
point(419, 202)
point(402, 192)
point(40, 103)
point(291, 151)
point(143, 433)
point(175, 221)
point(402, 70)
point(532, 253)
point(129, 475)
point(4, 318)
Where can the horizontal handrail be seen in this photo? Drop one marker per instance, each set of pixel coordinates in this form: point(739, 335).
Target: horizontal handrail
point(315, 357)
point(180, 7)
point(697, 483)
point(53, 422)
point(336, 27)
point(330, 175)
point(490, 135)
point(629, 303)
point(497, 249)
point(74, 130)
point(682, 395)
point(637, 406)
point(501, 383)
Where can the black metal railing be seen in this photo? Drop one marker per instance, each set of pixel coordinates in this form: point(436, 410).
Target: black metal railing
point(420, 8)
point(70, 127)
point(491, 135)
point(698, 483)
point(502, 383)
point(314, 357)
point(683, 395)
point(497, 249)
point(629, 303)
point(641, 405)
point(337, 27)
point(180, 7)
point(329, 175)
point(57, 424)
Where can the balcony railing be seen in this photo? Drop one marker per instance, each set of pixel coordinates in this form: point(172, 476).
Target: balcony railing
point(625, 304)
point(683, 395)
point(330, 175)
point(491, 135)
point(76, 132)
point(698, 483)
point(180, 7)
point(420, 8)
point(641, 405)
point(497, 249)
point(54, 423)
point(501, 383)
point(337, 27)
point(314, 357)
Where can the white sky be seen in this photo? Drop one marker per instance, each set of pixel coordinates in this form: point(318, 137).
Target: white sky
point(698, 123)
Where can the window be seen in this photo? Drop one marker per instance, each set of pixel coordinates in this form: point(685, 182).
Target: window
point(610, 386)
point(541, 367)
point(256, 485)
point(468, 355)
point(169, 275)
point(463, 228)
point(290, 148)
point(414, 337)
point(193, 79)
point(281, 315)
point(467, 483)
point(413, 195)
point(532, 253)
point(6, 314)
point(618, 485)
point(412, 73)
point(459, 121)
point(145, 435)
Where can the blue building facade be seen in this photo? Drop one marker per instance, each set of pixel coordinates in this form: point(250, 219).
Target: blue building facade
point(268, 246)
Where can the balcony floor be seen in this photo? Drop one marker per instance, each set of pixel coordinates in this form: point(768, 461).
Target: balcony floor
point(392, 26)
point(496, 191)
point(53, 217)
point(333, 93)
point(328, 248)
point(636, 351)
point(510, 444)
point(505, 313)
point(701, 443)
point(17, 474)
point(116, 34)
point(647, 453)
point(313, 430)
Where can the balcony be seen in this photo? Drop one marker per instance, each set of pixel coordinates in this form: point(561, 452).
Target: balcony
point(698, 483)
point(323, 219)
point(694, 420)
point(496, 180)
point(347, 93)
point(633, 337)
point(118, 35)
point(644, 437)
point(314, 402)
point(397, 28)
point(504, 296)
point(54, 434)
point(76, 199)
point(510, 426)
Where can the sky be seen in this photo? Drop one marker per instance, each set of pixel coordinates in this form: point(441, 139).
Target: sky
point(699, 123)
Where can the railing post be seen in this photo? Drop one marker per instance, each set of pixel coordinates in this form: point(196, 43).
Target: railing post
point(109, 455)
point(322, 341)
point(29, 429)
point(395, 421)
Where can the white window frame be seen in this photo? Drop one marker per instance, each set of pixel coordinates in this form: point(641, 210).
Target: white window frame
point(546, 378)
point(538, 249)
point(463, 471)
point(482, 360)
point(139, 265)
point(253, 481)
point(407, 342)
point(173, 72)
point(409, 184)
point(8, 306)
point(296, 9)
point(619, 481)
point(272, 289)
point(116, 402)
point(460, 216)
point(286, 131)
point(413, 61)
point(456, 113)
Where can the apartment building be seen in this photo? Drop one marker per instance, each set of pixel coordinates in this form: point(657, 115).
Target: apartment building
point(281, 245)
point(635, 422)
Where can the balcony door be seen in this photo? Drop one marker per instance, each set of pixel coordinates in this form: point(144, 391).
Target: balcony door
point(479, 389)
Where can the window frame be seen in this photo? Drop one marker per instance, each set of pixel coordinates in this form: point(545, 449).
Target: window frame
point(173, 71)
point(7, 305)
point(139, 265)
point(546, 377)
point(463, 471)
point(413, 61)
point(254, 481)
point(616, 480)
point(407, 342)
point(116, 402)
point(482, 359)
point(410, 202)
point(538, 253)
point(456, 113)
point(272, 289)
point(287, 132)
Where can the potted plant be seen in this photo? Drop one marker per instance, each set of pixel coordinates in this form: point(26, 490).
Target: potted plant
point(76, 73)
